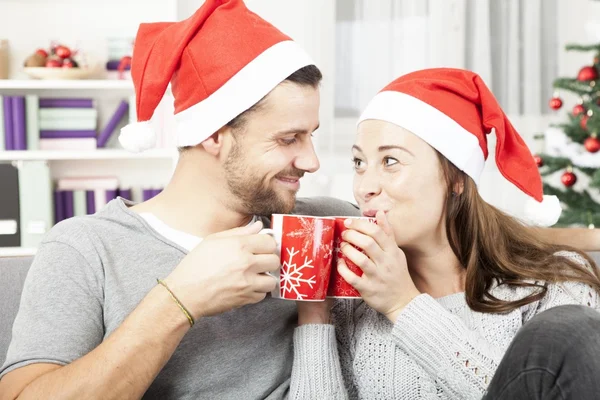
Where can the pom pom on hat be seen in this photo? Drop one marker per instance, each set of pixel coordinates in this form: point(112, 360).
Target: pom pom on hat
point(544, 213)
point(138, 137)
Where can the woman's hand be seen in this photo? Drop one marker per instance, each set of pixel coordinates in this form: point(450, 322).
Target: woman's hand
point(314, 312)
point(386, 285)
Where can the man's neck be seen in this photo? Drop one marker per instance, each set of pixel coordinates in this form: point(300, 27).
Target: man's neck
point(436, 270)
point(195, 204)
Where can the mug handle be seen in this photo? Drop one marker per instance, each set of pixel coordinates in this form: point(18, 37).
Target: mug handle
point(271, 232)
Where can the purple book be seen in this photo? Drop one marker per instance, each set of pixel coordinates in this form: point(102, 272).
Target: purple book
point(156, 191)
point(147, 194)
point(60, 134)
point(59, 206)
point(90, 202)
point(19, 123)
point(108, 130)
point(111, 194)
point(69, 103)
point(113, 65)
point(125, 193)
point(69, 208)
point(8, 123)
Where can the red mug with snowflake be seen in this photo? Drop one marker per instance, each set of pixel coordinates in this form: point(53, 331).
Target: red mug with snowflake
point(305, 245)
point(338, 287)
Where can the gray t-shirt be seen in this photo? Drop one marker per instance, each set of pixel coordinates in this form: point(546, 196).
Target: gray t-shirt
point(91, 272)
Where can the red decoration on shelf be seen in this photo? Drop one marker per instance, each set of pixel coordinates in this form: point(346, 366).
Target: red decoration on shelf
point(578, 109)
point(539, 161)
point(587, 73)
point(568, 179)
point(555, 103)
point(592, 144)
point(62, 51)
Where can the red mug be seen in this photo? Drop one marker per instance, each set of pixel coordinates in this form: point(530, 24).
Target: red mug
point(338, 287)
point(305, 246)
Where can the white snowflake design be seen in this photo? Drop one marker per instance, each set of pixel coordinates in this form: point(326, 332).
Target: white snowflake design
point(307, 233)
point(292, 275)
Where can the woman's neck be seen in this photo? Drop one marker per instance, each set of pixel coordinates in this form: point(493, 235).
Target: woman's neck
point(436, 270)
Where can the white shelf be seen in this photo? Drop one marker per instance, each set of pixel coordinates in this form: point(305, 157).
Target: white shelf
point(106, 154)
point(17, 251)
point(82, 84)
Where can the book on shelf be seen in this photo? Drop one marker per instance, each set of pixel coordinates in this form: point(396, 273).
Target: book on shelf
point(31, 122)
point(66, 103)
point(111, 126)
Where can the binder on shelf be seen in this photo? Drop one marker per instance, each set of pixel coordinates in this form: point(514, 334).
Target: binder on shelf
point(10, 214)
point(35, 201)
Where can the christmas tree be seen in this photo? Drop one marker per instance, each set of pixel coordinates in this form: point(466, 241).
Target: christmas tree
point(572, 147)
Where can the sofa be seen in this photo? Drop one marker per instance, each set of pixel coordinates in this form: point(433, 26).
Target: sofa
point(12, 275)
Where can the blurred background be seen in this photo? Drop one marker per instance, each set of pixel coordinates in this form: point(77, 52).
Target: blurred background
point(66, 91)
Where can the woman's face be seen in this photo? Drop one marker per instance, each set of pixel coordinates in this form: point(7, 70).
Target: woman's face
point(397, 172)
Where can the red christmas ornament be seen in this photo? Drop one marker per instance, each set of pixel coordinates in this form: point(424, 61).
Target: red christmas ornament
point(538, 161)
point(578, 109)
point(568, 179)
point(555, 103)
point(592, 144)
point(587, 74)
point(584, 121)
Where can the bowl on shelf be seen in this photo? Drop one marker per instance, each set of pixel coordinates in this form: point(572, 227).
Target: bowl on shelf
point(58, 73)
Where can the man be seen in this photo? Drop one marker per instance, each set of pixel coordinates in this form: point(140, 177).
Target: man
point(93, 321)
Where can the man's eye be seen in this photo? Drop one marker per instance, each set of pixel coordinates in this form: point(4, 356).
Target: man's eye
point(288, 142)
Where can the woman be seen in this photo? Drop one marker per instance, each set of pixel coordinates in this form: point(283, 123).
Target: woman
point(448, 279)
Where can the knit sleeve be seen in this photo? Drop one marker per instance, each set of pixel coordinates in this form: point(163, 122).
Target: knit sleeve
point(564, 293)
point(460, 360)
point(323, 358)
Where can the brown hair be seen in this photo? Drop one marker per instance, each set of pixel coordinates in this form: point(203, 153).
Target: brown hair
point(495, 247)
point(305, 76)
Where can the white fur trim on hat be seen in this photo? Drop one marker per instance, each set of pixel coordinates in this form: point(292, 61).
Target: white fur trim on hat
point(138, 136)
point(246, 88)
point(442, 133)
point(545, 213)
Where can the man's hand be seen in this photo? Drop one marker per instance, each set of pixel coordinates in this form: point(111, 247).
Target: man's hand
point(226, 271)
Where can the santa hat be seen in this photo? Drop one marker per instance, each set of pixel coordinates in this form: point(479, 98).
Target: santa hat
point(453, 111)
point(220, 62)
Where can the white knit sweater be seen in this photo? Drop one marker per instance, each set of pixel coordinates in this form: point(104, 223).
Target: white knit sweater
point(438, 348)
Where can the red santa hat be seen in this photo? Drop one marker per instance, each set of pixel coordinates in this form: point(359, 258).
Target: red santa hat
point(220, 62)
point(453, 111)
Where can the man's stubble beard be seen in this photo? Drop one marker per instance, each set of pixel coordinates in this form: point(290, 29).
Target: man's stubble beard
point(255, 195)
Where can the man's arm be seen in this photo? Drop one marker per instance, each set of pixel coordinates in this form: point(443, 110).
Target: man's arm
point(226, 271)
point(580, 238)
point(122, 367)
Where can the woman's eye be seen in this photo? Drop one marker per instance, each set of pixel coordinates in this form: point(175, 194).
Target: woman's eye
point(389, 161)
point(358, 163)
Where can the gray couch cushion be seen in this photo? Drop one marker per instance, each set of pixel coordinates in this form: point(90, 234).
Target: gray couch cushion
point(12, 275)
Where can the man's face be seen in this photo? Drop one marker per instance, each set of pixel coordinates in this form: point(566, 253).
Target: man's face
point(273, 150)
